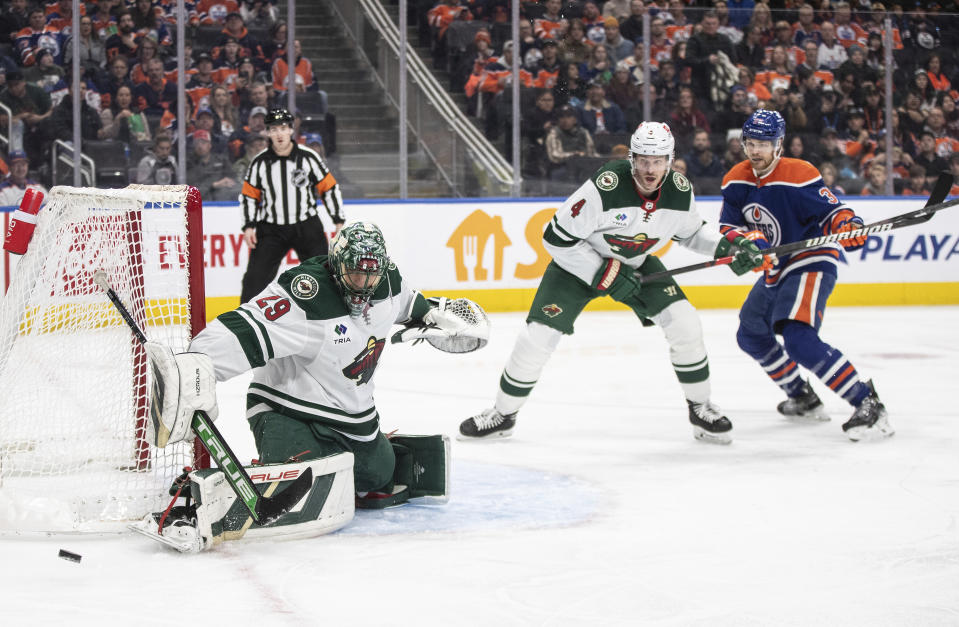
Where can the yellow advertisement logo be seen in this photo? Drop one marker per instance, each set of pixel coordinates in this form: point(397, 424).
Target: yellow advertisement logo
point(470, 239)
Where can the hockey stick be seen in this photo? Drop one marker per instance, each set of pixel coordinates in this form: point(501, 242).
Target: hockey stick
point(263, 509)
point(934, 204)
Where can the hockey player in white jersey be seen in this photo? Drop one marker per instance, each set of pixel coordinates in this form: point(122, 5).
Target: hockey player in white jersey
point(314, 337)
point(599, 238)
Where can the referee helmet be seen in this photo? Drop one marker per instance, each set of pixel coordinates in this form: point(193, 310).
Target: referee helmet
point(275, 117)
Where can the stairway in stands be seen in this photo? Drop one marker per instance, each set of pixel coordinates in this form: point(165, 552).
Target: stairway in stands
point(367, 136)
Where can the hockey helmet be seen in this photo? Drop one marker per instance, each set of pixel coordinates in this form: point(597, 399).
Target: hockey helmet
point(652, 139)
point(275, 117)
point(765, 125)
point(359, 262)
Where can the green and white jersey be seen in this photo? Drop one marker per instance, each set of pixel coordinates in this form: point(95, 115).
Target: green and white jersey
point(607, 217)
point(313, 361)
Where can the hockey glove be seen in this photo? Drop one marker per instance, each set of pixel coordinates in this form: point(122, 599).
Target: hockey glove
point(442, 316)
point(616, 279)
point(745, 253)
point(846, 221)
point(182, 384)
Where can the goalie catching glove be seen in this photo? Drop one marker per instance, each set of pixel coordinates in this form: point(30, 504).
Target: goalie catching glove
point(182, 384)
point(452, 326)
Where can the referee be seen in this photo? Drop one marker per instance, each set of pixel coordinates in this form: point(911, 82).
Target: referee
point(279, 200)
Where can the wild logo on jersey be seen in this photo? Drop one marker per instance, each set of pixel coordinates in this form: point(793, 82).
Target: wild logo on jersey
point(361, 370)
point(630, 247)
point(762, 220)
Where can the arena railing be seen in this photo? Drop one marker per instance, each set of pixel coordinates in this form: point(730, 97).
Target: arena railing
point(462, 155)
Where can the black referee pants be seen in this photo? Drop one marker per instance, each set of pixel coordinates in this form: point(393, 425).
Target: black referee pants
point(273, 242)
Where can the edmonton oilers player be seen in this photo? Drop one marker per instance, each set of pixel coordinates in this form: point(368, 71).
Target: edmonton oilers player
point(779, 201)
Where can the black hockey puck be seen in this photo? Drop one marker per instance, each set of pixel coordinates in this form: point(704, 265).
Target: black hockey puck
point(67, 555)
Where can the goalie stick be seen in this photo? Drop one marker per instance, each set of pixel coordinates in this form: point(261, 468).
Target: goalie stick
point(263, 509)
point(934, 204)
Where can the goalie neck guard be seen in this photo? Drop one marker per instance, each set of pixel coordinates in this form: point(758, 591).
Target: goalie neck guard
point(359, 262)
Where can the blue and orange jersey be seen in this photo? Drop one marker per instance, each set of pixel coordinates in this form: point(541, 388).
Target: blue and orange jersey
point(789, 204)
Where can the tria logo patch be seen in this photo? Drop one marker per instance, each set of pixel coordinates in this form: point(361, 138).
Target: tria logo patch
point(630, 247)
point(552, 310)
point(341, 330)
point(363, 366)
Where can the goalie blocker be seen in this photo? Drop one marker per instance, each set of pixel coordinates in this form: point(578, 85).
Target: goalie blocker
point(212, 514)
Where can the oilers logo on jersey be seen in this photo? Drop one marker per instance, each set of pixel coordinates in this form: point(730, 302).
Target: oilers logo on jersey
point(760, 219)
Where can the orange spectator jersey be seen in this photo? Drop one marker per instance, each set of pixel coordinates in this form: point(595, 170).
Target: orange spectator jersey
point(547, 29)
point(60, 21)
point(442, 15)
point(852, 33)
point(679, 33)
point(304, 73)
point(214, 11)
point(772, 79)
point(661, 52)
point(946, 146)
point(545, 79)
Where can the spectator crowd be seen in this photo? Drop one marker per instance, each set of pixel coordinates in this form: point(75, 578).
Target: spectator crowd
point(821, 64)
point(237, 71)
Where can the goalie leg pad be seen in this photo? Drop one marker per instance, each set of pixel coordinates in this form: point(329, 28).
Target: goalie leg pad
point(218, 516)
point(423, 464)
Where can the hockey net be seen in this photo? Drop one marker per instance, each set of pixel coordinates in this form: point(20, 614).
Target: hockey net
point(73, 380)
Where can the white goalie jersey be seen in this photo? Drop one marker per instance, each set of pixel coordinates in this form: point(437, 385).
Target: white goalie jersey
point(313, 360)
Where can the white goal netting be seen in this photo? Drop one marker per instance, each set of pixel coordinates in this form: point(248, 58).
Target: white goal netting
point(73, 379)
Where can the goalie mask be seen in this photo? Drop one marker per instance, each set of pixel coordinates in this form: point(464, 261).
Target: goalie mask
point(359, 262)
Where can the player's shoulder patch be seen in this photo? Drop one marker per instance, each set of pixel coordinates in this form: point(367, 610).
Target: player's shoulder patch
point(681, 182)
point(312, 288)
point(607, 180)
point(304, 286)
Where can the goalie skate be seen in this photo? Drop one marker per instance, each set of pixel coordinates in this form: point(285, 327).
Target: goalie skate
point(179, 529)
point(486, 425)
point(806, 407)
point(709, 424)
point(870, 420)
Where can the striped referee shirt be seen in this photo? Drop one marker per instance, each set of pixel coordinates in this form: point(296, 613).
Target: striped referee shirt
point(284, 190)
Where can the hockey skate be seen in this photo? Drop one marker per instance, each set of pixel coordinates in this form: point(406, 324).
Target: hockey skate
point(870, 420)
point(179, 529)
point(487, 424)
point(709, 424)
point(806, 407)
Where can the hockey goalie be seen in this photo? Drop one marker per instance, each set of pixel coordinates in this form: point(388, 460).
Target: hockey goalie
point(314, 337)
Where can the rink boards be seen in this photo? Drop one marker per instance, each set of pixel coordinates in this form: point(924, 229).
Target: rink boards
point(492, 251)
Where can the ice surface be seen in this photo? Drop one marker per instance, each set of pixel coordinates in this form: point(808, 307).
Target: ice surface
point(601, 510)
